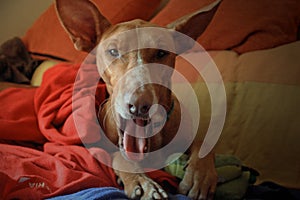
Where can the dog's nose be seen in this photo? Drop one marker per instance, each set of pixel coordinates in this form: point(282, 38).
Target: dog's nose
point(140, 104)
point(139, 110)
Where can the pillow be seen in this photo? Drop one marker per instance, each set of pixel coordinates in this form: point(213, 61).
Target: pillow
point(178, 8)
point(241, 25)
point(263, 94)
point(47, 37)
point(252, 25)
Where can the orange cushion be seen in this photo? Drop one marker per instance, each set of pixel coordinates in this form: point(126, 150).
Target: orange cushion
point(178, 8)
point(252, 25)
point(241, 25)
point(46, 36)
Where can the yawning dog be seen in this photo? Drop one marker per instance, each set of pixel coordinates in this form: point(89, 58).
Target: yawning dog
point(141, 115)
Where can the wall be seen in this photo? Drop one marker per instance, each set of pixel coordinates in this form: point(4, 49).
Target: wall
point(16, 16)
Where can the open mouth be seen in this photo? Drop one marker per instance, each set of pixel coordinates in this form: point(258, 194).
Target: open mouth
point(134, 141)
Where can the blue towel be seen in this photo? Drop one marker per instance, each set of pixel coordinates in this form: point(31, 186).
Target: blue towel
point(105, 193)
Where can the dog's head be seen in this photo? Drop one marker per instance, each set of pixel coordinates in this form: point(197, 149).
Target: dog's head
point(136, 60)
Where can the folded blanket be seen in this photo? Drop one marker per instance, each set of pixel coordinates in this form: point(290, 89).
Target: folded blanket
point(56, 163)
point(95, 193)
point(104, 194)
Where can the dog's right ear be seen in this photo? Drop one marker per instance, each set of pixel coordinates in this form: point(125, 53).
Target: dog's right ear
point(192, 25)
point(82, 21)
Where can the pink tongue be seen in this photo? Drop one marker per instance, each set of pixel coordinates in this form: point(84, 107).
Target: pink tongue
point(134, 140)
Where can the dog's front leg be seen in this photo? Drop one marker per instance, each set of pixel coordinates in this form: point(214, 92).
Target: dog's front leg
point(200, 179)
point(137, 185)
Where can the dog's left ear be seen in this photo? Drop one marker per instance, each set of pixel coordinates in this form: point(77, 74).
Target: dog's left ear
point(192, 25)
point(82, 21)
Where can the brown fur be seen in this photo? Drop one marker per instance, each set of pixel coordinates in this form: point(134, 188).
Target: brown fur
point(200, 179)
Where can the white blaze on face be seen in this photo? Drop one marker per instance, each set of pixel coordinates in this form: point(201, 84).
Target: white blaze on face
point(132, 83)
point(139, 60)
point(139, 56)
point(137, 72)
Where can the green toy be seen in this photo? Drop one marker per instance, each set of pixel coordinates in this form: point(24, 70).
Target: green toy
point(233, 178)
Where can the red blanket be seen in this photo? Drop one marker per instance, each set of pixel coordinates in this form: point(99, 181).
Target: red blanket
point(41, 150)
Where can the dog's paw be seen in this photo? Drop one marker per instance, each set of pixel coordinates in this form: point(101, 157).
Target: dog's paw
point(142, 187)
point(200, 179)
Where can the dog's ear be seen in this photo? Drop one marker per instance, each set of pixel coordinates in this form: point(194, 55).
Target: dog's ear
point(82, 21)
point(192, 25)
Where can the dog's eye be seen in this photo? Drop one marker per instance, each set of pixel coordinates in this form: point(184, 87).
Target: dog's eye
point(161, 54)
point(114, 53)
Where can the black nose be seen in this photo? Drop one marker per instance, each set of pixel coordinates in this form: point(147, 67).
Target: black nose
point(141, 101)
point(139, 109)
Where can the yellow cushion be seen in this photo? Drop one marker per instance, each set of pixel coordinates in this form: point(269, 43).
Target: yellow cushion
point(263, 112)
point(37, 76)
